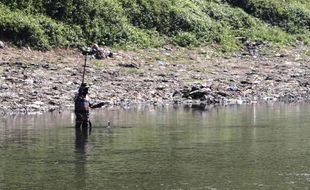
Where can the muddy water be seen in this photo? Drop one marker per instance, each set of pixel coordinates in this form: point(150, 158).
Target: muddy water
point(238, 147)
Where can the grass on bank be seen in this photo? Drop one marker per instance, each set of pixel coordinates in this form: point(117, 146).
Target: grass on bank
point(44, 24)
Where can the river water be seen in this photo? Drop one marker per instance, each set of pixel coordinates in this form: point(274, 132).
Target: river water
point(236, 147)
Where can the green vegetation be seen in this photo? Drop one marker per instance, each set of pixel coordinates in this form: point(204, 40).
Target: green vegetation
point(148, 23)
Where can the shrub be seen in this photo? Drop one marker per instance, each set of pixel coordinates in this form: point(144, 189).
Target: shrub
point(149, 23)
point(293, 16)
point(185, 39)
point(38, 31)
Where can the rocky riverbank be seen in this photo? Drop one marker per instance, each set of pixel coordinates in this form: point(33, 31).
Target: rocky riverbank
point(33, 81)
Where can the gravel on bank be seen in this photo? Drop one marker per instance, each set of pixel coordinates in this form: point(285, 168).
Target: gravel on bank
point(33, 81)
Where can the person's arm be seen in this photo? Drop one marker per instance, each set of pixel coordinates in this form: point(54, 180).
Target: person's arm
point(99, 105)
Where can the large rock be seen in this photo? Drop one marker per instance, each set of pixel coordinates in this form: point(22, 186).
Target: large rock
point(2, 45)
point(199, 94)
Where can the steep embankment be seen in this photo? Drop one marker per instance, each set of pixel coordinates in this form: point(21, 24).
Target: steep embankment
point(149, 23)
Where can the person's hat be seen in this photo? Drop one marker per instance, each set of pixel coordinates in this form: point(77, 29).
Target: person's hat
point(83, 88)
point(84, 85)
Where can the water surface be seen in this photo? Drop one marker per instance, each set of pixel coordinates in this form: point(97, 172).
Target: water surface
point(237, 147)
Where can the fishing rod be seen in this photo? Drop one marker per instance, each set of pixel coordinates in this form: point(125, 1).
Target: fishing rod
point(84, 70)
point(86, 52)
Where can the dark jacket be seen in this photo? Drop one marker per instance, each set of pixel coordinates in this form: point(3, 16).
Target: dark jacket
point(82, 104)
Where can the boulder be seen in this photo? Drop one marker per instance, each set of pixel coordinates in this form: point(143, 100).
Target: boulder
point(2, 45)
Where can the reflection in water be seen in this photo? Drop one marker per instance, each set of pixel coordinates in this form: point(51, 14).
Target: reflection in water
point(81, 138)
point(81, 135)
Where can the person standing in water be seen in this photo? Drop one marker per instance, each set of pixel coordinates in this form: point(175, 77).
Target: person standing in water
point(82, 107)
